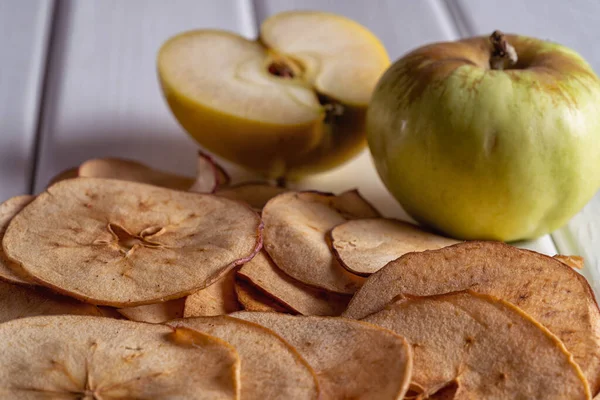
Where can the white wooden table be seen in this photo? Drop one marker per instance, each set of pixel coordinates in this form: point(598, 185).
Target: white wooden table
point(78, 80)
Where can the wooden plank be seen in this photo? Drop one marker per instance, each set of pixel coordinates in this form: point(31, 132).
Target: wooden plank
point(103, 96)
point(400, 24)
point(573, 24)
point(582, 236)
point(24, 32)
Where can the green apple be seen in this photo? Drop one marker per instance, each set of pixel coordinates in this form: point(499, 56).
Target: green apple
point(489, 137)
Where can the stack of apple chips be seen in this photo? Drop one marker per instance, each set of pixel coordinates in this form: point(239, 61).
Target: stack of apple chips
point(124, 281)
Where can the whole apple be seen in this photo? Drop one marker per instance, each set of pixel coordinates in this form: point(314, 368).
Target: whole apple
point(489, 137)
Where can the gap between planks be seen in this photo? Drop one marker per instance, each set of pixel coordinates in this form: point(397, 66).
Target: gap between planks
point(49, 46)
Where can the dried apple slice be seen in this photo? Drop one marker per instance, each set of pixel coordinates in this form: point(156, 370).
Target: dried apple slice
point(252, 299)
point(257, 194)
point(352, 359)
point(18, 301)
point(576, 262)
point(296, 225)
point(303, 299)
point(484, 347)
point(364, 246)
point(352, 205)
point(66, 174)
point(545, 288)
point(223, 178)
point(128, 170)
point(270, 367)
point(154, 313)
point(216, 299)
point(75, 357)
point(9, 270)
point(125, 244)
point(209, 176)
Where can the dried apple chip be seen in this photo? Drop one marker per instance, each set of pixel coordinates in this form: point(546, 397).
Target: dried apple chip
point(252, 299)
point(364, 246)
point(209, 175)
point(9, 270)
point(75, 357)
point(216, 299)
point(154, 313)
point(545, 288)
point(296, 226)
point(576, 262)
point(223, 178)
point(352, 359)
point(124, 244)
point(303, 299)
point(18, 301)
point(483, 348)
point(66, 174)
point(270, 367)
point(257, 194)
point(351, 204)
point(128, 170)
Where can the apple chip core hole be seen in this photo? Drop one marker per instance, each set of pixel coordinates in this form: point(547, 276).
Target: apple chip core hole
point(281, 69)
point(127, 241)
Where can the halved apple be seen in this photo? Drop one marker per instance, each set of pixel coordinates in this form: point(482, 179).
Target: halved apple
point(290, 103)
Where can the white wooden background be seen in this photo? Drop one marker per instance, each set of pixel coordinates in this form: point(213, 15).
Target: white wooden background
point(78, 80)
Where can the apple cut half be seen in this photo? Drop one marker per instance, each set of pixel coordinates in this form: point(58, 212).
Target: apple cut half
point(290, 103)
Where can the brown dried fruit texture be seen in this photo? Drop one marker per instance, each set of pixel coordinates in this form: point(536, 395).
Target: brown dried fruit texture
point(10, 271)
point(364, 246)
point(253, 299)
point(486, 347)
point(270, 367)
point(352, 359)
point(548, 290)
point(68, 357)
point(256, 194)
point(124, 244)
point(303, 299)
point(155, 313)
point(217, 299)
point(19, 301)
point(296, 226)
point(133, 171)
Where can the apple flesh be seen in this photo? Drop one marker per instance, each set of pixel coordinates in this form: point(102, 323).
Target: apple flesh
point(478, 148)
point(291, 103)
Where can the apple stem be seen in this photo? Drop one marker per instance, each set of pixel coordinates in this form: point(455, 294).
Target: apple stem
point(502, 51)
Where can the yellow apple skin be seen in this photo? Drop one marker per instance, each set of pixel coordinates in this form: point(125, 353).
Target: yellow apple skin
point(488, 154)
point(271, 149)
